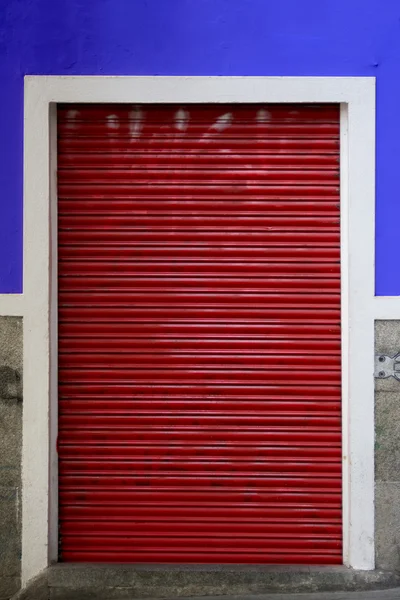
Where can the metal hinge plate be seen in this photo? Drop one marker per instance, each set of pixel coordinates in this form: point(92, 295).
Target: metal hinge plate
point(387, 366)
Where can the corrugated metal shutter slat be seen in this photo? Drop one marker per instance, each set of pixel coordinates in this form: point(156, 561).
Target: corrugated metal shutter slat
point(199, 334)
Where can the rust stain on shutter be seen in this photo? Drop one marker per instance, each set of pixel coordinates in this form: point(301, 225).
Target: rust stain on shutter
point(199, 334)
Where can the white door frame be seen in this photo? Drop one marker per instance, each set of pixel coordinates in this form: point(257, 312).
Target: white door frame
point(38, 305)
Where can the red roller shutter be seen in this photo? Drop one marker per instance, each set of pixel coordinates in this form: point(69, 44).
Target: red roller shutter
point(199, 334)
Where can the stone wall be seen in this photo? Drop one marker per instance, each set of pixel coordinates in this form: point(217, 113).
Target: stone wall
point(10, 454)
point(387, 452)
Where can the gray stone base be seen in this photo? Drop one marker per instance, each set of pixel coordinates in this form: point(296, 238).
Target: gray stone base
point(10, 454)
point(105, 582)
point(37, 589)
point(8, 586)
point(387, 453)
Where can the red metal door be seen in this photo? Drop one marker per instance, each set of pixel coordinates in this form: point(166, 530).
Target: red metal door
point(199, 334)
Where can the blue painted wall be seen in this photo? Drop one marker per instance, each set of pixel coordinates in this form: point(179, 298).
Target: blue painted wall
point(201, 37)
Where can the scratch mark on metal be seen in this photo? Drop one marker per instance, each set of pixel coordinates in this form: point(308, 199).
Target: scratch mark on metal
point(112, 122)
point(181, 119)
point(135, 121)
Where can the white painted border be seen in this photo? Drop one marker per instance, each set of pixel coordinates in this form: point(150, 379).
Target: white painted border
point(344, 263)
point(387, 308)
point(53, 342)
point(11, 305)
point(357, 95)
point(360, 192)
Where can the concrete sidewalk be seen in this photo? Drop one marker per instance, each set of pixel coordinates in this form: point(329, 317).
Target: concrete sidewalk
point(393, 594)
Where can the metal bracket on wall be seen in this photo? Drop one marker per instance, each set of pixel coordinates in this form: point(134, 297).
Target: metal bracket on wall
point(387, 366)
